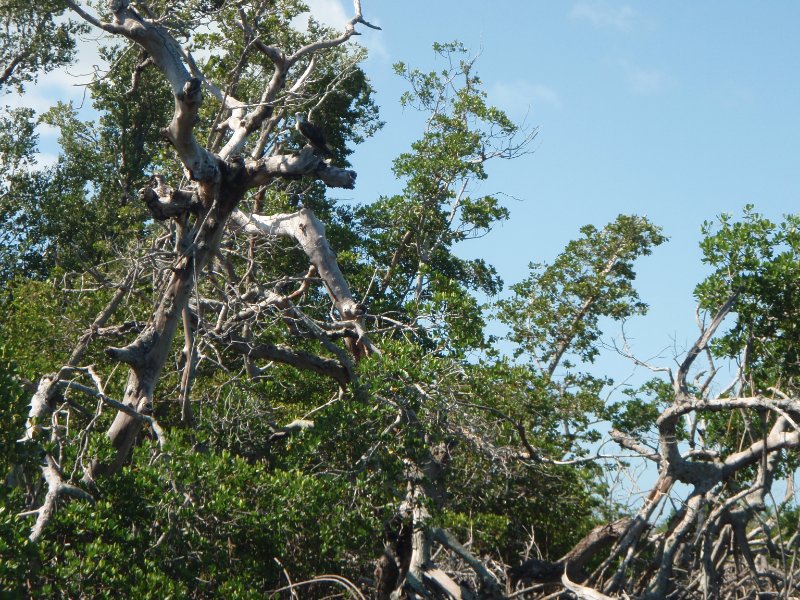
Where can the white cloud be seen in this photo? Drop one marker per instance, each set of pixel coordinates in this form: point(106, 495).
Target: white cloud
point(47, 130)
point(643, 80)
point(604, 15)
point(374, 41)
point(333, 14)
point(34, 98)
point(69, 83)
point(327, 12)
point(519, 98)
point(64, 84)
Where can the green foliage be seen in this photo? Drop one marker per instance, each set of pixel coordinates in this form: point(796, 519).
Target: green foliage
point(558, 307)
point(189, 524)
point(34, 40)
point(555, 507)
point(20, 188)
point(59, 219)
point(555, 318)
point(42, 321)
point(512, 502)
point(340, 93)
point(755, 262)
point(411, 236)
point(17, 465)
point(13, 400)
point(637, 413)
point(759, 261)
point(236, 499)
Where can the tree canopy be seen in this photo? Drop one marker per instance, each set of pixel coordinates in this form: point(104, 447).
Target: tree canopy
point(217, 380)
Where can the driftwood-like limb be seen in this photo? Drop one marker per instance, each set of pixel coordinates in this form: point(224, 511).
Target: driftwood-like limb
point(631, 443)
point(594, 542)
point(581, 591)
point(168, 56)
point(296, 425)
point(221, 187)
point(416, 558)
point(285, 355)
point(145, 419)
point(698, 472)
point(41, 402)
point(165, 203)
point(200, 164)
point(574, 562)
point(638, 525)
point(490, 585)
point(304, 227)
point(147, 354)
point(102, 318)
point(443, 585)
point(349, 31)
point(307, 163)
point(40, 408)
point(189, 358)
point(244, 124)
point(680, 383)
point(658, 585)
point(703, 471)
point(55, 488)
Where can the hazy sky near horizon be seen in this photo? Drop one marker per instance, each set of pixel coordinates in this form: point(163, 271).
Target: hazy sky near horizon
point(675, 111)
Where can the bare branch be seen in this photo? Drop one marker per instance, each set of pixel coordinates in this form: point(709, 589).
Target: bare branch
point(627, 441)
point(489, 581)
point(583, 592)
point(146, 419)
point(283, 354)
point(55, 488)
point(309, 232)
point(260, 172)
point(349, 31)
point(701, 343)
point(165, 203)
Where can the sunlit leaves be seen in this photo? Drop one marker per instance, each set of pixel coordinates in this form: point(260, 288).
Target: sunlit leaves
point(413, 235)
point(556, 310)
point(759, 260)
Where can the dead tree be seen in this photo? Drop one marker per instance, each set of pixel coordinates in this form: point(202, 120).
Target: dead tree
point(202, 212)
point(718, 542)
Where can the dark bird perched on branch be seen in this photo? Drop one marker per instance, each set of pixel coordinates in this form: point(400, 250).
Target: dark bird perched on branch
point(313, 135)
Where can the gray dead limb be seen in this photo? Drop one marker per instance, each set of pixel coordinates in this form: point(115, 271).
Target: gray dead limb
point(56, 487)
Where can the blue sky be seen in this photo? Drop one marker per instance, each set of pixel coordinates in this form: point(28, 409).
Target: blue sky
point(676, 111)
